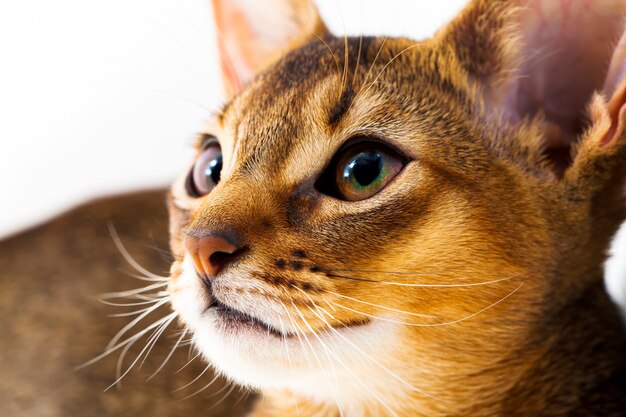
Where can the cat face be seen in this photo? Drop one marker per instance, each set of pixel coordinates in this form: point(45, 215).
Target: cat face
point(356, 212)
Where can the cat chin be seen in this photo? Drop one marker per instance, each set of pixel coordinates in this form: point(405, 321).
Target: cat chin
point(319, 366)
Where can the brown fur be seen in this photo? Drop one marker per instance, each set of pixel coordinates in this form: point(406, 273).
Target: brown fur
point(482, 200)
point(52, 321)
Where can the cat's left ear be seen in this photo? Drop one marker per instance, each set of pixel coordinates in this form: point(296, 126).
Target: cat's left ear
point(601, 152)
point(252, 34)
point(559, 63)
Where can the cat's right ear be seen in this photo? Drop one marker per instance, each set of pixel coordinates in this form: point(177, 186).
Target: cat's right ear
point(251, 35)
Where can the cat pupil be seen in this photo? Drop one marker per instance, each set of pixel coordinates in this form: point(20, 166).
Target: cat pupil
point(214, 169)
point(365, 167)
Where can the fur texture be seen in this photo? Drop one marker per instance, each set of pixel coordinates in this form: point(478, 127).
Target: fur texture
point(472, 284)
point(52, 320)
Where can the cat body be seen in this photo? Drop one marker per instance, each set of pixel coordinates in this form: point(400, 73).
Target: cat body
point(52, 320)
point(379, 226)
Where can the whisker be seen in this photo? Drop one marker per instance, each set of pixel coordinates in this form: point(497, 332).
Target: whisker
point(189, 361)
point(120, 359)
point(167, 254)
point(153, 339)
point(149, 279)
point(149, 342)
point(188, 342)
point(129, 293)
point(284, 339)
point(233, 386)
point(152, 297)
point(331, 52)
point(127, 256)
point(195, 379)
point(169, 355)
point(297, 333)
point(434, 324)
point(383, 272)
point(215, 378)
point(132, 313)
point(379, 50)
point(131, 339)
point(352, 373)
point(130, 325)
point(389, 63)
point(314, 333)
point(410, 313)
point(393, 374)
point(244, 395)
point(139, 303)
point(345, 74)
point(382, 45)
point(170, 318)
point(425, 285)
point(358, 60)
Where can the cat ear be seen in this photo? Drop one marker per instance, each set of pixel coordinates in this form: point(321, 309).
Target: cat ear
point(253, 34)
point(615, 91)
point(544, 60)
point(601, 153)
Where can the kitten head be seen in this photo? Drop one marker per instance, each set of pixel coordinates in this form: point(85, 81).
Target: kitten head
point(380, 210)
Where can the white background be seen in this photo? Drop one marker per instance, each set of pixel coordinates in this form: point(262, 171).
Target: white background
point(100, 97)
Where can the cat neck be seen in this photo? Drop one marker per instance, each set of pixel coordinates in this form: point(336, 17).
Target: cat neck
point(578, 354)
point(572, 361)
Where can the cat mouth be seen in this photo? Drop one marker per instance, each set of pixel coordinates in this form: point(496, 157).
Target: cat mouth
point(234, 320)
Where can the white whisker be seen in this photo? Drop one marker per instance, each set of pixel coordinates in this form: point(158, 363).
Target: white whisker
point(358, 380)
point(190, 360)
point(322, 367)
point(129, 293)
point(195, 379)
point(215, 404)
point(284, 339)
point(132, 313)
point(393, 374)
point(434, 324)
point(168, 320)
point(328, 357)
point(127, 256)
point(381, 306)
point(140, 303)
point(169, 355)
point(134, 322)
point(426, 285)
point(131, 339)
point(215, 378)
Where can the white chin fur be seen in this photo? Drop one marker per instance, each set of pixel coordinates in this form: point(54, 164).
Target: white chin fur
point(322, 366)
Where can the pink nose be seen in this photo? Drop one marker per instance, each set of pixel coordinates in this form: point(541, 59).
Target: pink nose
point(209, 253)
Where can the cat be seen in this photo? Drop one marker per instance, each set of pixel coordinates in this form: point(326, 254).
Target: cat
point(377, 226)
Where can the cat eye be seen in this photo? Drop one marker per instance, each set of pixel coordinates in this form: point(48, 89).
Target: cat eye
point(206, 172)
point(360, 171)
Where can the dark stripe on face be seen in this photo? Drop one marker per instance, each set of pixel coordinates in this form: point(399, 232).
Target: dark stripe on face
point(342, 106)
point(277, 109)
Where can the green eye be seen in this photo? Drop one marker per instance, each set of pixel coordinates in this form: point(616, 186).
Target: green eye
point(363, 170)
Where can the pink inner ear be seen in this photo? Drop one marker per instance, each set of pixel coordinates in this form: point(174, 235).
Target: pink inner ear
point(567, 47)
point(615, 90)
point(617, 69)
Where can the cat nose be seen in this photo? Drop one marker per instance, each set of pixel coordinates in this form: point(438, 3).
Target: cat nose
point(210, 253)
